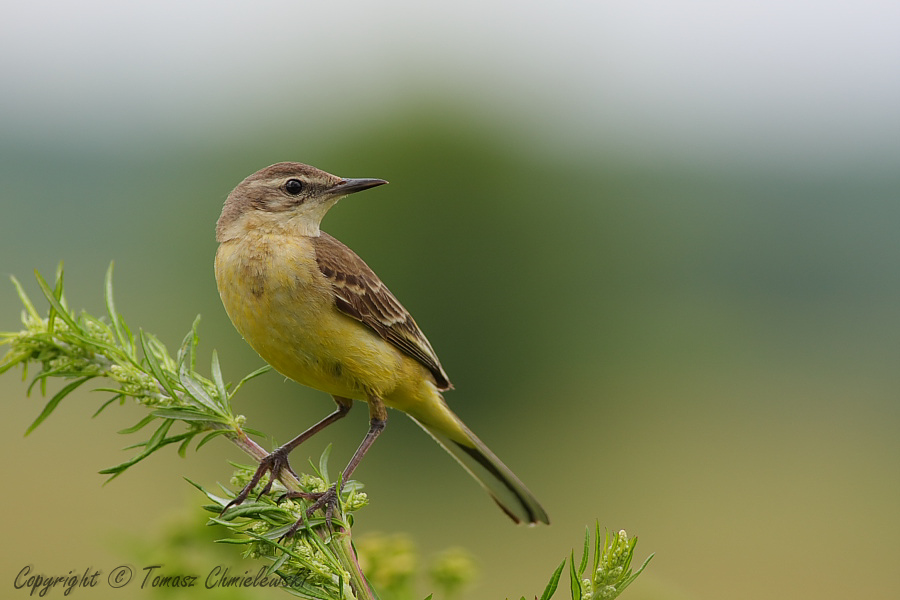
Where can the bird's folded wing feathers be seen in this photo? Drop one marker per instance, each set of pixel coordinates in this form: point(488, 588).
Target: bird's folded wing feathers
point(359, 293)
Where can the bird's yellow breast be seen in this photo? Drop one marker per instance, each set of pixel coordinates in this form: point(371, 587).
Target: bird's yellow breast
point(283, 306)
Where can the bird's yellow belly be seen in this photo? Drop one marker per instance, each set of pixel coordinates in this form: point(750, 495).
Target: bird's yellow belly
point(287, 314)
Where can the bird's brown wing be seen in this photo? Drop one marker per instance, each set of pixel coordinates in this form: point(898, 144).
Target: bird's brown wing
point(359, 293)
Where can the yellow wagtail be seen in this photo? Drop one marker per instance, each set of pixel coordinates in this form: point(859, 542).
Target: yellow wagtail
point(319, 315)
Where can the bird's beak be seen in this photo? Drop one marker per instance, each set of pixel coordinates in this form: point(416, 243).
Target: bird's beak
point(349, 186)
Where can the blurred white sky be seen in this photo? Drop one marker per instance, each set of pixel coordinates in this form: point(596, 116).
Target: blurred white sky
point(804, 80)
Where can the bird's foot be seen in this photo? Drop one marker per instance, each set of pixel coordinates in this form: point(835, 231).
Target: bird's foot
point(328, 500)
point(274, 464)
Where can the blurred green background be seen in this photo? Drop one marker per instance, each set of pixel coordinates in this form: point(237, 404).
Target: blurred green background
point(654, 244)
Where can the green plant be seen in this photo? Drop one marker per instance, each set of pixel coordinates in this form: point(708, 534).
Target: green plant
point(317, 562)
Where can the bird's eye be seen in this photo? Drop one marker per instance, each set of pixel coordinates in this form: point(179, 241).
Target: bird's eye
point(293, 186)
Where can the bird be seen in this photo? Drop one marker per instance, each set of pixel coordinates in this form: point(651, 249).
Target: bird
point(316, 312)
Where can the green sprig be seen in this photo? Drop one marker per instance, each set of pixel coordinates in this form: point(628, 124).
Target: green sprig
point(611, 572)
point(313, 566)
point(82, 347)
point(319, 563)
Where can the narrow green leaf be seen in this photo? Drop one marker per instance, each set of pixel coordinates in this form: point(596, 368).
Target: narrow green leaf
point(10, 361)
point(187, 414)
point(162, 353)
point(192, 385)
point(119, 469)
point(273, 536)
point(116, 391)
point(138, 445)
point(111, 310)
point(157, 371)
point(196, 390)
point(597, 550)
point(58, 286)
point(320, 543)
point(260, 371)
point(216, 370)
point(131, 347)
point(45, 375)
point(306, 591)
point(574, 582)
point(56, 306)
point(630, 544)
point(125, 354)
point(110, 390)
point(54, 402)
point(257, 510)
point(40, 378)
point(118, 396)
point(165, 441)
point(26, 301)
point(158, 436)
point(210, 436)
point(184, 349)
point(323, 463)
point(151, 445)
point(235, 465)
point(634, 575)
point(187, 352)
point(278, 563)
point(139, 425)
point(214, 498)
point(195, 341)
point(554, 582)
point(585, 553)
point(182, 449)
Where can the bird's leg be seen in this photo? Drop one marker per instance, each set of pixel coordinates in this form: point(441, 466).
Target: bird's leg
point(329, 498)
point(277, 460)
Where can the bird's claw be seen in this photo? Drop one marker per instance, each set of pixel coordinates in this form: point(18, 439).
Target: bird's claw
point(328, 499)
point(273, 463)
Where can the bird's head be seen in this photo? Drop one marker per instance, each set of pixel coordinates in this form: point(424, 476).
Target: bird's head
point(288, 196)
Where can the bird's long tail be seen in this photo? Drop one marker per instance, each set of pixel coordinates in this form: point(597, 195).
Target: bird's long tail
point(502, 484)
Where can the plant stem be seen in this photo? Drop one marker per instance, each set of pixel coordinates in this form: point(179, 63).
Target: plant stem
point(344, 550)
point(340, 542)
